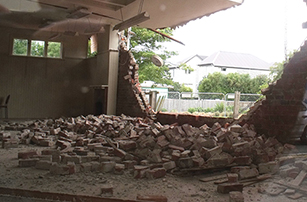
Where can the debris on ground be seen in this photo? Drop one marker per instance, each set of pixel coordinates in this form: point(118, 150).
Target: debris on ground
point(148, 149)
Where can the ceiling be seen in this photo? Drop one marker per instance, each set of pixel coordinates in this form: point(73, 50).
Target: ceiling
point(90, 16)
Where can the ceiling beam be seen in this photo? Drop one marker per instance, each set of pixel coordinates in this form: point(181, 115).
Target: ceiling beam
point(121, 3)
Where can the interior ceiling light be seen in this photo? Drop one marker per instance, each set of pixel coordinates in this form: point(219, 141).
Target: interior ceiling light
point(79, 13)
point(142, 17)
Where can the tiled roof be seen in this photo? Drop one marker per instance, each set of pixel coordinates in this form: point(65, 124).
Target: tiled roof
point(236, 60)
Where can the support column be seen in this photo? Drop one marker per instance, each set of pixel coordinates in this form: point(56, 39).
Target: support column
point(108, 47)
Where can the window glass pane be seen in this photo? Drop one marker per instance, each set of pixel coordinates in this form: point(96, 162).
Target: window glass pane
point(20, 47)
point(37, 48)
point(54, 50)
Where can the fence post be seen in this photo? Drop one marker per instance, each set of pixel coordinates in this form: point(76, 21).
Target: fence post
point(236, 105)
point(225, 103)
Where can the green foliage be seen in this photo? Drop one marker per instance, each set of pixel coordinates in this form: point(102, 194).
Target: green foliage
point(229, 83)
point(144, 45)
point(278, 68)
point(180, 88)
point(186, 67)
point(54, 49)
point(20, 47)
point(184, 88)
point(37, 48)
point(219, 107)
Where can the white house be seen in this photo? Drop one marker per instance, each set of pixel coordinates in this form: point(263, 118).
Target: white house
point(222, 61)
point(188, 78)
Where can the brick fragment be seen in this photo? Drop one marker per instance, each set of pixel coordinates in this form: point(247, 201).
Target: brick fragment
point(156, 173)
point(28, 162)
point(270, 167)
point(127, 145)
point(229, 187)
point(43, 165)
point(106, 189)
point(248, 173)
point(26, 154)
point(86, 167)
point(185, 162)
point(169, 165)
point(140, 171)
point(232, 177)
point(119, 168)
point(242, 160)
point(107, 166)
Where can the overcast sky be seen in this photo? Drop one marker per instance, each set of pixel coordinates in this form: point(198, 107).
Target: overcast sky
point(256, 27)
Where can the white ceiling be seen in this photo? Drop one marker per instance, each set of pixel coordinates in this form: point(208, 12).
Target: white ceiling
point(53, 15)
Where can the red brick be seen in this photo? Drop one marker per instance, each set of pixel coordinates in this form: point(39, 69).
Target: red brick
point(43, 165)
point(176, 148)
point(242, 160)
point(119, 168)
point(28, 162)
point(140, 171)
point(127, 145)
point(248, 173)
point(270, 167)
point(107, 166)
point(156, 173)
point(185, 162)
point(169, 165)
point(106, 189)
point(232, 177)
point(229, 187)
point(27, 154)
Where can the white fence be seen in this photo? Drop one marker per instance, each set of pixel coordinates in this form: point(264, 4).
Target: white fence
point(181, 102)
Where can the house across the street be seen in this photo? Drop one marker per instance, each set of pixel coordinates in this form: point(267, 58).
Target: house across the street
point(222, 61)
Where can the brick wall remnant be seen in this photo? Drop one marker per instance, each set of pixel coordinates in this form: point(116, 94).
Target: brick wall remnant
point(131, 100)
point(279, 112)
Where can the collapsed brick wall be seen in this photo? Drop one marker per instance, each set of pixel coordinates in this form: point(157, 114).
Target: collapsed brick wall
point(278, 113)
point(131, 100)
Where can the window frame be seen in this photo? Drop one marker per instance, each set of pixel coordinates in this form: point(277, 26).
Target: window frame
point(29, 48)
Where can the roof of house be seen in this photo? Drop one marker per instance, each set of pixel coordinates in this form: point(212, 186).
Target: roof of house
point(177, 64)
point(237, 60)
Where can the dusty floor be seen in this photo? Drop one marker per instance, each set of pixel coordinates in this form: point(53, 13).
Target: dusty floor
point(187, 188)
point(175, 188)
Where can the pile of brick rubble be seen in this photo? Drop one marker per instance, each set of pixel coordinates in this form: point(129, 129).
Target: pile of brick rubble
point(117, 143)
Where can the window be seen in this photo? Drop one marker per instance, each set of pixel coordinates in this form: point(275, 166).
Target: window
point(20, 47)
point(54, 50)
point(187, 71)
point(37, 48)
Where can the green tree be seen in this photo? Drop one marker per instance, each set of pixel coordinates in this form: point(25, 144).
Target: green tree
point(54, 49)
point(37, 48)
point(229, 83)
point(146, 44)
point(278, 68)
point(20, 47)
point(186, 67)
point(184, 88)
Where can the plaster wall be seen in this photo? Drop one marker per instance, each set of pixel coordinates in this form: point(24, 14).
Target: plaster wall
point(47, 87)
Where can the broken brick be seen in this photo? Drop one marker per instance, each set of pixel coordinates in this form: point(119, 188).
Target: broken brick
point(229, 187)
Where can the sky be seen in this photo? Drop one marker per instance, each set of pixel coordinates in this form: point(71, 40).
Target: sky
point(256, 27)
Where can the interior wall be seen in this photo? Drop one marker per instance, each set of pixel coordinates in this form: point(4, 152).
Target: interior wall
point(47, 87)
